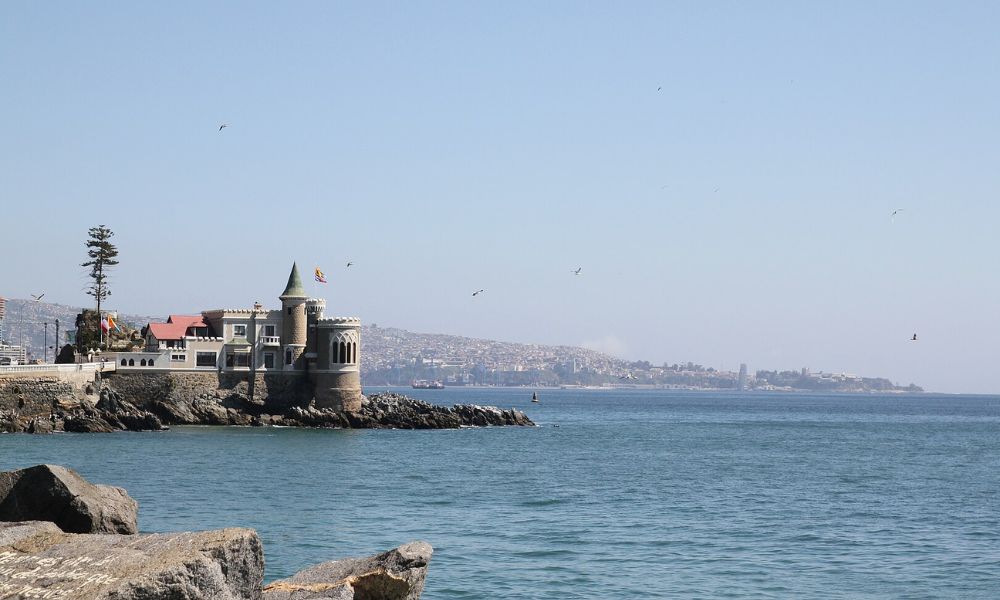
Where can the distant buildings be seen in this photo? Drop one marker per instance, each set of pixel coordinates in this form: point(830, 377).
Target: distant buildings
point(742, 379)
point(9, 354)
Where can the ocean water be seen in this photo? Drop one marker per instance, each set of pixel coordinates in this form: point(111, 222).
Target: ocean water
point(618, 494)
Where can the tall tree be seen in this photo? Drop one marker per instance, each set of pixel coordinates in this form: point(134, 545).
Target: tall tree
point(102, 255)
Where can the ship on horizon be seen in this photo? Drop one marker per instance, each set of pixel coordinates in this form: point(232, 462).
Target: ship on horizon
point(423, 384)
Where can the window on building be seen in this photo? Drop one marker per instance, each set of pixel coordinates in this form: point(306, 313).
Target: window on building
point(343, 353)
point(131, 362)
point(150, 363)
point(239, 330)
point(269, 360)
point(269, 330)
point(288, 357)
point(142, 363)
point(238, 359)
point(177, 358)
point(205, 359)
point(289, 310)
point(124, 362)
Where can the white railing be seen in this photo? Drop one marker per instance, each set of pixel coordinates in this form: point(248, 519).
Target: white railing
point(270, 340)
point(79, 368)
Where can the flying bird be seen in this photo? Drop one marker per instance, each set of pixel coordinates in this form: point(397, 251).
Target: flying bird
point(477, 292)
point(914, 338)
point(38, 297)
point(577, 272)
point(223, 126)
point(892, 217)
point(349, 263)
point(659, 88)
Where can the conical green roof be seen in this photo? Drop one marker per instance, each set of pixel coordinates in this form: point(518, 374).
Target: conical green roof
point(294, 288)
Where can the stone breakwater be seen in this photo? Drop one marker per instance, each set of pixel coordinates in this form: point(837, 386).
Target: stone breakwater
point(84, 558)
point(44, 407)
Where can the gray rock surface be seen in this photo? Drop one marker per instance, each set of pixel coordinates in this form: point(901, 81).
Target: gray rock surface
point(398, 574)
point(37, 560)
point(389, 410)
point(57, 494)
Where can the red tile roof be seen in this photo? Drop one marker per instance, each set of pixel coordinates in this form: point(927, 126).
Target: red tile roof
point(176, 327)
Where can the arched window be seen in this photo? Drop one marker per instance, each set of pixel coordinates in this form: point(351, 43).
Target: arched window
point(142, 363)
point(354, 352)
point(343, 352)
point(131, 362)
point(124, 362)
point(150, 363)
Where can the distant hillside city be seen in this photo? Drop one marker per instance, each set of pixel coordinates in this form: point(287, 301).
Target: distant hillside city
point(398, 357)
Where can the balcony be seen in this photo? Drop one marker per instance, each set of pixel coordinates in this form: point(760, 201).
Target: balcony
point(270, 340)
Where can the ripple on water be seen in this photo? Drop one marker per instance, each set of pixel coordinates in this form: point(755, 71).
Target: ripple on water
point(635, 495)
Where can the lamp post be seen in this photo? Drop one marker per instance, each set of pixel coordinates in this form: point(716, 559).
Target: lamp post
point(253, 350)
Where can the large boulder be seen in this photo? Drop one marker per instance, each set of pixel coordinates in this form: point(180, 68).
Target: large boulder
point(57, 494)
point(398, 574)
point(37, 560)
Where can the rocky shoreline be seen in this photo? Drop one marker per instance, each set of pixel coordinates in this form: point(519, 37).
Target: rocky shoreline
point(112, 412)
point(62, 537)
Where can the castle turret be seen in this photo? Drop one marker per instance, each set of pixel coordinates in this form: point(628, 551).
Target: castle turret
point(293, 321)
point(337, 371)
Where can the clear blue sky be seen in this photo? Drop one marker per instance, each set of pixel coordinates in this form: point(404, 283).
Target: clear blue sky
point(738, 214)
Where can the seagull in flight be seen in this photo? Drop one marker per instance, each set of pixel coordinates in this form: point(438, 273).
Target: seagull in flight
point(659, 88)
point(477, 292)
point(892, 217)
point(38, 297)
point(349, 263)
point(577, 272)
point(223, 126)
point(914, 338)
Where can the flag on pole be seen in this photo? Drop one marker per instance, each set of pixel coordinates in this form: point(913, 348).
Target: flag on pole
point(104, 325)
point(320, 277)
point(111, 323)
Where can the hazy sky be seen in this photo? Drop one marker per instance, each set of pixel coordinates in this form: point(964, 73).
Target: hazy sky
point(723, 172)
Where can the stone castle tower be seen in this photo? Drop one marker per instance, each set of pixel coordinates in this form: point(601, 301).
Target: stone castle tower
point(293, 322)
point(329, 349)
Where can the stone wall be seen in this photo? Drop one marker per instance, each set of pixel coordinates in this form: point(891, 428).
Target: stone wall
point(338, 391)
point(273, 389)
point(31, 396)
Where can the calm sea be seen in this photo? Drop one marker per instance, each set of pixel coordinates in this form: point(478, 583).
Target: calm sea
point(623, 494)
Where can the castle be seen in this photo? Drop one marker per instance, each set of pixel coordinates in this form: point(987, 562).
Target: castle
point(295, 342)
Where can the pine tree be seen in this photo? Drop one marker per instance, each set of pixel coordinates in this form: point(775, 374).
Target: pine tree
point(102, 255)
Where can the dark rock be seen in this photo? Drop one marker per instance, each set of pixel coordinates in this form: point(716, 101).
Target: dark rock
point(119, 413)
point(398, 574)
point(86, 424)
point(40, 425)
point(39, 561)
point(57, 494)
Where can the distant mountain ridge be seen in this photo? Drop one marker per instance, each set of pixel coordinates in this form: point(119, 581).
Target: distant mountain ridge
point(394, 356)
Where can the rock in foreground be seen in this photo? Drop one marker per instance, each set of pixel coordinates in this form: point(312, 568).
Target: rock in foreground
point(37, 560)
point(57, 494)
point(398, 574)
